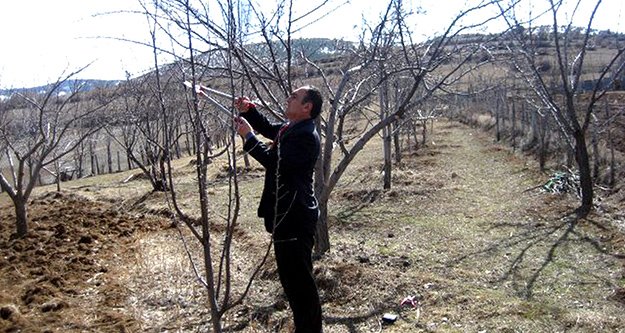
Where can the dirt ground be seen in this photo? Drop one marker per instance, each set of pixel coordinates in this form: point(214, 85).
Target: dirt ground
point(464, 233)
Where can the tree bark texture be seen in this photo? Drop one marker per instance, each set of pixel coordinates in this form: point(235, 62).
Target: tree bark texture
point(21, 215)
point(585, 177)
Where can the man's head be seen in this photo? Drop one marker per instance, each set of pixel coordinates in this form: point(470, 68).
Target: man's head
point(304, 103)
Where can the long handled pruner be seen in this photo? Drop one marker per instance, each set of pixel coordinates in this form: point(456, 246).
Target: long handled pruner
point(206, 92)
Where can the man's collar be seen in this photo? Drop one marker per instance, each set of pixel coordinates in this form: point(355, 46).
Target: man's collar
point(294, 122)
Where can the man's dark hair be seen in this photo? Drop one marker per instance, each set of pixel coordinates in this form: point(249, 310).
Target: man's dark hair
point(313, 95)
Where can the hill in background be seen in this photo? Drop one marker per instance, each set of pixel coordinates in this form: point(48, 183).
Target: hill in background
point(65, 88)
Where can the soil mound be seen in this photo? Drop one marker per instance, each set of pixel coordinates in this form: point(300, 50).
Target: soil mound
point(67, 253)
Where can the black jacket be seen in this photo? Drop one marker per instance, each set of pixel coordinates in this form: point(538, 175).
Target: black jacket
point(297, 151)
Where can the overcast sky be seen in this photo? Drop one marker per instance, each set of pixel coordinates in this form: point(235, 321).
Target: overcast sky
point(42, 39)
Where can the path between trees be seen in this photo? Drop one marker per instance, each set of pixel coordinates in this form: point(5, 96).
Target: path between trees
point(482, 252)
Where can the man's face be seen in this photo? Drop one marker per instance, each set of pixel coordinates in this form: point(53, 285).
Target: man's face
point(295, 109)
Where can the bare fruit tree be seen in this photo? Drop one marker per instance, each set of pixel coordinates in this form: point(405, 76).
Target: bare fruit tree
point(205, 58)
point(562, 96)
point(425, 70)
point(145, 121)
point(39, 136)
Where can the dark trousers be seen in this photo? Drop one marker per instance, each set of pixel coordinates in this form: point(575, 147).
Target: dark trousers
point(294, 260)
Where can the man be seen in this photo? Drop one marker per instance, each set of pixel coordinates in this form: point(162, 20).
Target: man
point(288, 204)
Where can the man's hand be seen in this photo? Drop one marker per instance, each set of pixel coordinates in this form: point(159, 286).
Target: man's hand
point(242, 126)
point(243, 104)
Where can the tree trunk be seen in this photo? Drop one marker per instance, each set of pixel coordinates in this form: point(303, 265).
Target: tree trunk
point(386, 133)
point(612, 175)
point(163, 175)
point(503, 106)
point(534, 130)
point(397, 142)
point(322, 178)
point(542, 150)
point(119, 162)
point(387, 169)
point(415, 136)
point(92, 158)
point(129, 160)
point(513, 126)
point(190, 151)
point(523, 118)
point(322, 238)
point(497, 116)
point(109, 156)
point(585, 177)
point(29, 162)
point(21, 214)
point(570, 156)
point(596, 159)
point(97, 165)
point(80, 170)
point(408, 137)
point(58, 175)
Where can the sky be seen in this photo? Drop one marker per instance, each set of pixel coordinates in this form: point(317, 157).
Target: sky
point(42, 40)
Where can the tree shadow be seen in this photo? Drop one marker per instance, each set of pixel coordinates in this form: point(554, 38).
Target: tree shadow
point(535, 236)
point(569, 224)
point(262, 315)
point(351, 322)
point(361, 200)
